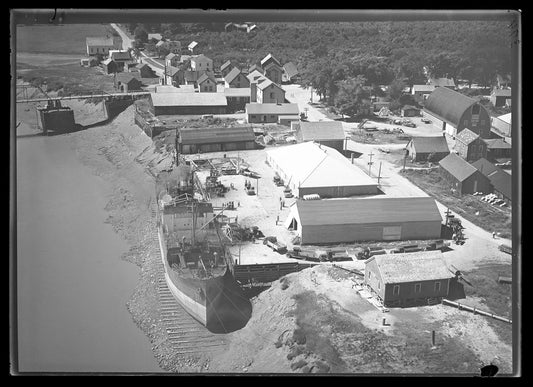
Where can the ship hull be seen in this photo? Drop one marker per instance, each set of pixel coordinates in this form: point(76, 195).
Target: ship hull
point(218, 303)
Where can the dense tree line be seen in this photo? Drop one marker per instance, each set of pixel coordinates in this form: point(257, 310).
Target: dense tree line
point(336, 56)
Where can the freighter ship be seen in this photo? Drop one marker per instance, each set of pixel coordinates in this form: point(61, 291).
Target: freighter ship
point(197, 265)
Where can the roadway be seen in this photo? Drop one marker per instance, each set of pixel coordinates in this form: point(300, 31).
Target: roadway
point(127, 43)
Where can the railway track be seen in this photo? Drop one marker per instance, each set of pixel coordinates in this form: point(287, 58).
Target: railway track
point(187, 336)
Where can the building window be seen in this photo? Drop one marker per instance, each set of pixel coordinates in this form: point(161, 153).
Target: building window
point(379, 284)
point(437, 287)
point(475, 109)
point(396, 290)
point(418, 288)
point(253, 116)
point(271, 95)
point(369, 274)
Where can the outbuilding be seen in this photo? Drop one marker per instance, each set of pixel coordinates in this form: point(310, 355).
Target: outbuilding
point(501, 126)
point(126, 82)
point(421, 92)
point(237, 98)
point(226, 68)
point(290, 72)
point(408, 279)
point(195, 140)
point(109, 66)
point(454, 112)
point(497, 149)
point(427, 148)
point(235, 78)
point(500, 97)
point(410, 111)
point(462, 176)
point(269, 112)
point(501, 181)
point(311, 168)
point(189, 103)
point(328, 133)
point(349, 220)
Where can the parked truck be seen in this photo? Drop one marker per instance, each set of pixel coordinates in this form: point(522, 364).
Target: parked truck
point(272, 242)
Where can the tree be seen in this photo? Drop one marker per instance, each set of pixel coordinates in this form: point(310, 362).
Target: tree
point(351, 96)
point(140, 34)
point(395, 89)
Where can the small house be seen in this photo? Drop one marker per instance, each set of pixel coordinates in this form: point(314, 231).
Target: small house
point(144, 70)
point(172, 60)
point(410, 111)
point(421, 92)
point(272, 69)
point(174, 76)
point(126, 82)
point(408, 279)
point(255, 67)
point(109, 66)
point(470, 146)
point(427, 148)
point(462, 176)
point(235, 78)
point(192, 46)
point(500, 180)
point(290, 72)
point(207, 83)
point(267, 92)
point(500, 97)
point(226, 68)
point(201, 63)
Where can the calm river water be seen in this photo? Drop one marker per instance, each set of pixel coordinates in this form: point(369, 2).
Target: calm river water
point(72, 285)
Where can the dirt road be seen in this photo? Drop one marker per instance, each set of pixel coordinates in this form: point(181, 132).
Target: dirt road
point(127, 43)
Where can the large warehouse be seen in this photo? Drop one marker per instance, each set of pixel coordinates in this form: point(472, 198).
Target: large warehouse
point(364, 219)
point(311, 168)
point(189, 103)
point(194, 140)
point(453, 112)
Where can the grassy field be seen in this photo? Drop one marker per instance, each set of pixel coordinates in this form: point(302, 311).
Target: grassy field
point(490, 218)
point(58, 39)
point(70, 79)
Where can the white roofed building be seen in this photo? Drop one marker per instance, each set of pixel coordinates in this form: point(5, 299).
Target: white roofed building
point(311, 168)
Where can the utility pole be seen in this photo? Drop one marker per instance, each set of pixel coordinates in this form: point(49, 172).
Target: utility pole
point(379, 173)
point(404, 160)
point(370, 163)
point(257, 187)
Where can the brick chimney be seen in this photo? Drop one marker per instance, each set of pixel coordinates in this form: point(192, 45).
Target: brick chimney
point(253, 92)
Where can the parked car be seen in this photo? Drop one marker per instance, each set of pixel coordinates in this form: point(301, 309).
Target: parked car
point(425, 121)
point(409, 124)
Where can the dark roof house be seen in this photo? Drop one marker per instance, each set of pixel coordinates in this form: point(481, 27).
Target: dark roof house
point(464, 177)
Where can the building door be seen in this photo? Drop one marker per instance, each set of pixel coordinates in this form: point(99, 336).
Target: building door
point(475, 185)
point(392, 233)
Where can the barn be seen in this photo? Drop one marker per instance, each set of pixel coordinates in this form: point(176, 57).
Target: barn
point(408, 279)
point(189, 103)
point(311, 168)
point(453, 112)
point(328, 133)
point(350, 220)
point(462, 176)
point(201, 140)
point(421, 148)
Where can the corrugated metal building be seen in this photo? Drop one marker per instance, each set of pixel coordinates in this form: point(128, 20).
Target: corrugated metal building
point(189, 103)
point(364, 219)
point(194, 140)
point(453, 112)
point(408, 279)
point(462, 176)
point(419, 148)
point(311, 168)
